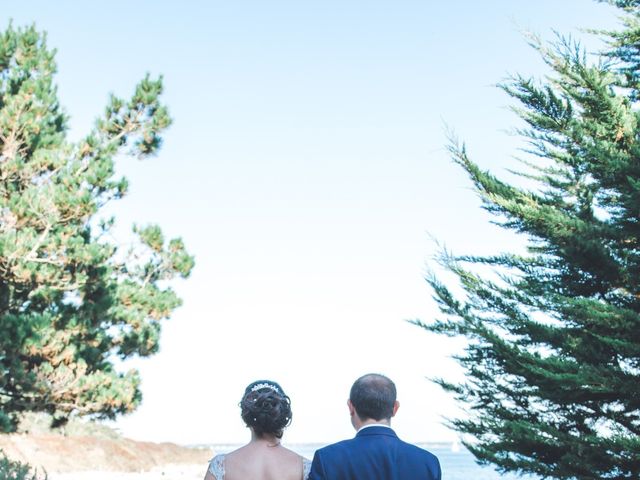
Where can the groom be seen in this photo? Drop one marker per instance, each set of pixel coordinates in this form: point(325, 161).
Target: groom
point(376, 452)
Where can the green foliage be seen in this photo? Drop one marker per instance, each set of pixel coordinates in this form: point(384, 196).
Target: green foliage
point(553, 359)
point(11, 470)
point(71, 301)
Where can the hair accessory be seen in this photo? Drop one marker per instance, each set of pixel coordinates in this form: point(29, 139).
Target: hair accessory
point(260, 386)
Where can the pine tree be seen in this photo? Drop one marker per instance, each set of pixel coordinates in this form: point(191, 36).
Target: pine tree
point(72, 301)
point(553, 355)
point(14, 470)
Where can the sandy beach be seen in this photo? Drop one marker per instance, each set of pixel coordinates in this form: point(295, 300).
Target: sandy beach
point(167, 472)
point(99, 457)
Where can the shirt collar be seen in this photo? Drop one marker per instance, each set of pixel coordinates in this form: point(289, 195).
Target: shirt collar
point(373, 425)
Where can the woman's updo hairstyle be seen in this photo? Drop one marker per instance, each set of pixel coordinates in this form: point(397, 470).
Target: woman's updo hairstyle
point(265, 408)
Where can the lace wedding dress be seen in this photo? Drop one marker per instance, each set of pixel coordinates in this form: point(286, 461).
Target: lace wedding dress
point(216, 467)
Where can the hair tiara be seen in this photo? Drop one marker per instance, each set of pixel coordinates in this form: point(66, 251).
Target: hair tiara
point(260, 386)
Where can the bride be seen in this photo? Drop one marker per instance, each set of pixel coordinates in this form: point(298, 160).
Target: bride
point(266, 410)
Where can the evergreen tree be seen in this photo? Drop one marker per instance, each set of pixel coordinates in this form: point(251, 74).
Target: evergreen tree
point(13, 470)
point(553, 356)
point(72, 301)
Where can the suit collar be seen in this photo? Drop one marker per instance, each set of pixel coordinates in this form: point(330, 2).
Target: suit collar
point(376, 430)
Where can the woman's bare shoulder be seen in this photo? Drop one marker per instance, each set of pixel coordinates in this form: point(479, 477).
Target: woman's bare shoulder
point(296, 462)
point(289, 452)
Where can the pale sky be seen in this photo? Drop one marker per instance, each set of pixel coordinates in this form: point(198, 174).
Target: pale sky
point(306, 170)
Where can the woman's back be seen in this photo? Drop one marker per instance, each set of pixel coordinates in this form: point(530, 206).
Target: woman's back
point(266, 463)
point(251, 461)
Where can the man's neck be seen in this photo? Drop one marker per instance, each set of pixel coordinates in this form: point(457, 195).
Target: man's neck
point(370, 422)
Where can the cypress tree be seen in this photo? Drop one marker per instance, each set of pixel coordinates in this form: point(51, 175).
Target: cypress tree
point(71, 300)
point(553, 355)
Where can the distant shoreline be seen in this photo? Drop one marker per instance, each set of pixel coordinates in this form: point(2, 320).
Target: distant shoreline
point(230, 445)
point(223, 447)
point(99, 455)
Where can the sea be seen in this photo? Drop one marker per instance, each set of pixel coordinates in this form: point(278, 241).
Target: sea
point(456, 462)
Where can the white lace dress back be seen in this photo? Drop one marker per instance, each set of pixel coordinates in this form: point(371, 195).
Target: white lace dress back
point(216, 467)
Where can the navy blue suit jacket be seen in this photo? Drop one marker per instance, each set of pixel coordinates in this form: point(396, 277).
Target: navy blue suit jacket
point(376, 453)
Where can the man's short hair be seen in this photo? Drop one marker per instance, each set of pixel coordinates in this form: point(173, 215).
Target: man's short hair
point(373, 396)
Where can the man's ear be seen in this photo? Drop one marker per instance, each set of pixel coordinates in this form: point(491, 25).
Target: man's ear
point(352, 409)
point(396, 406)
